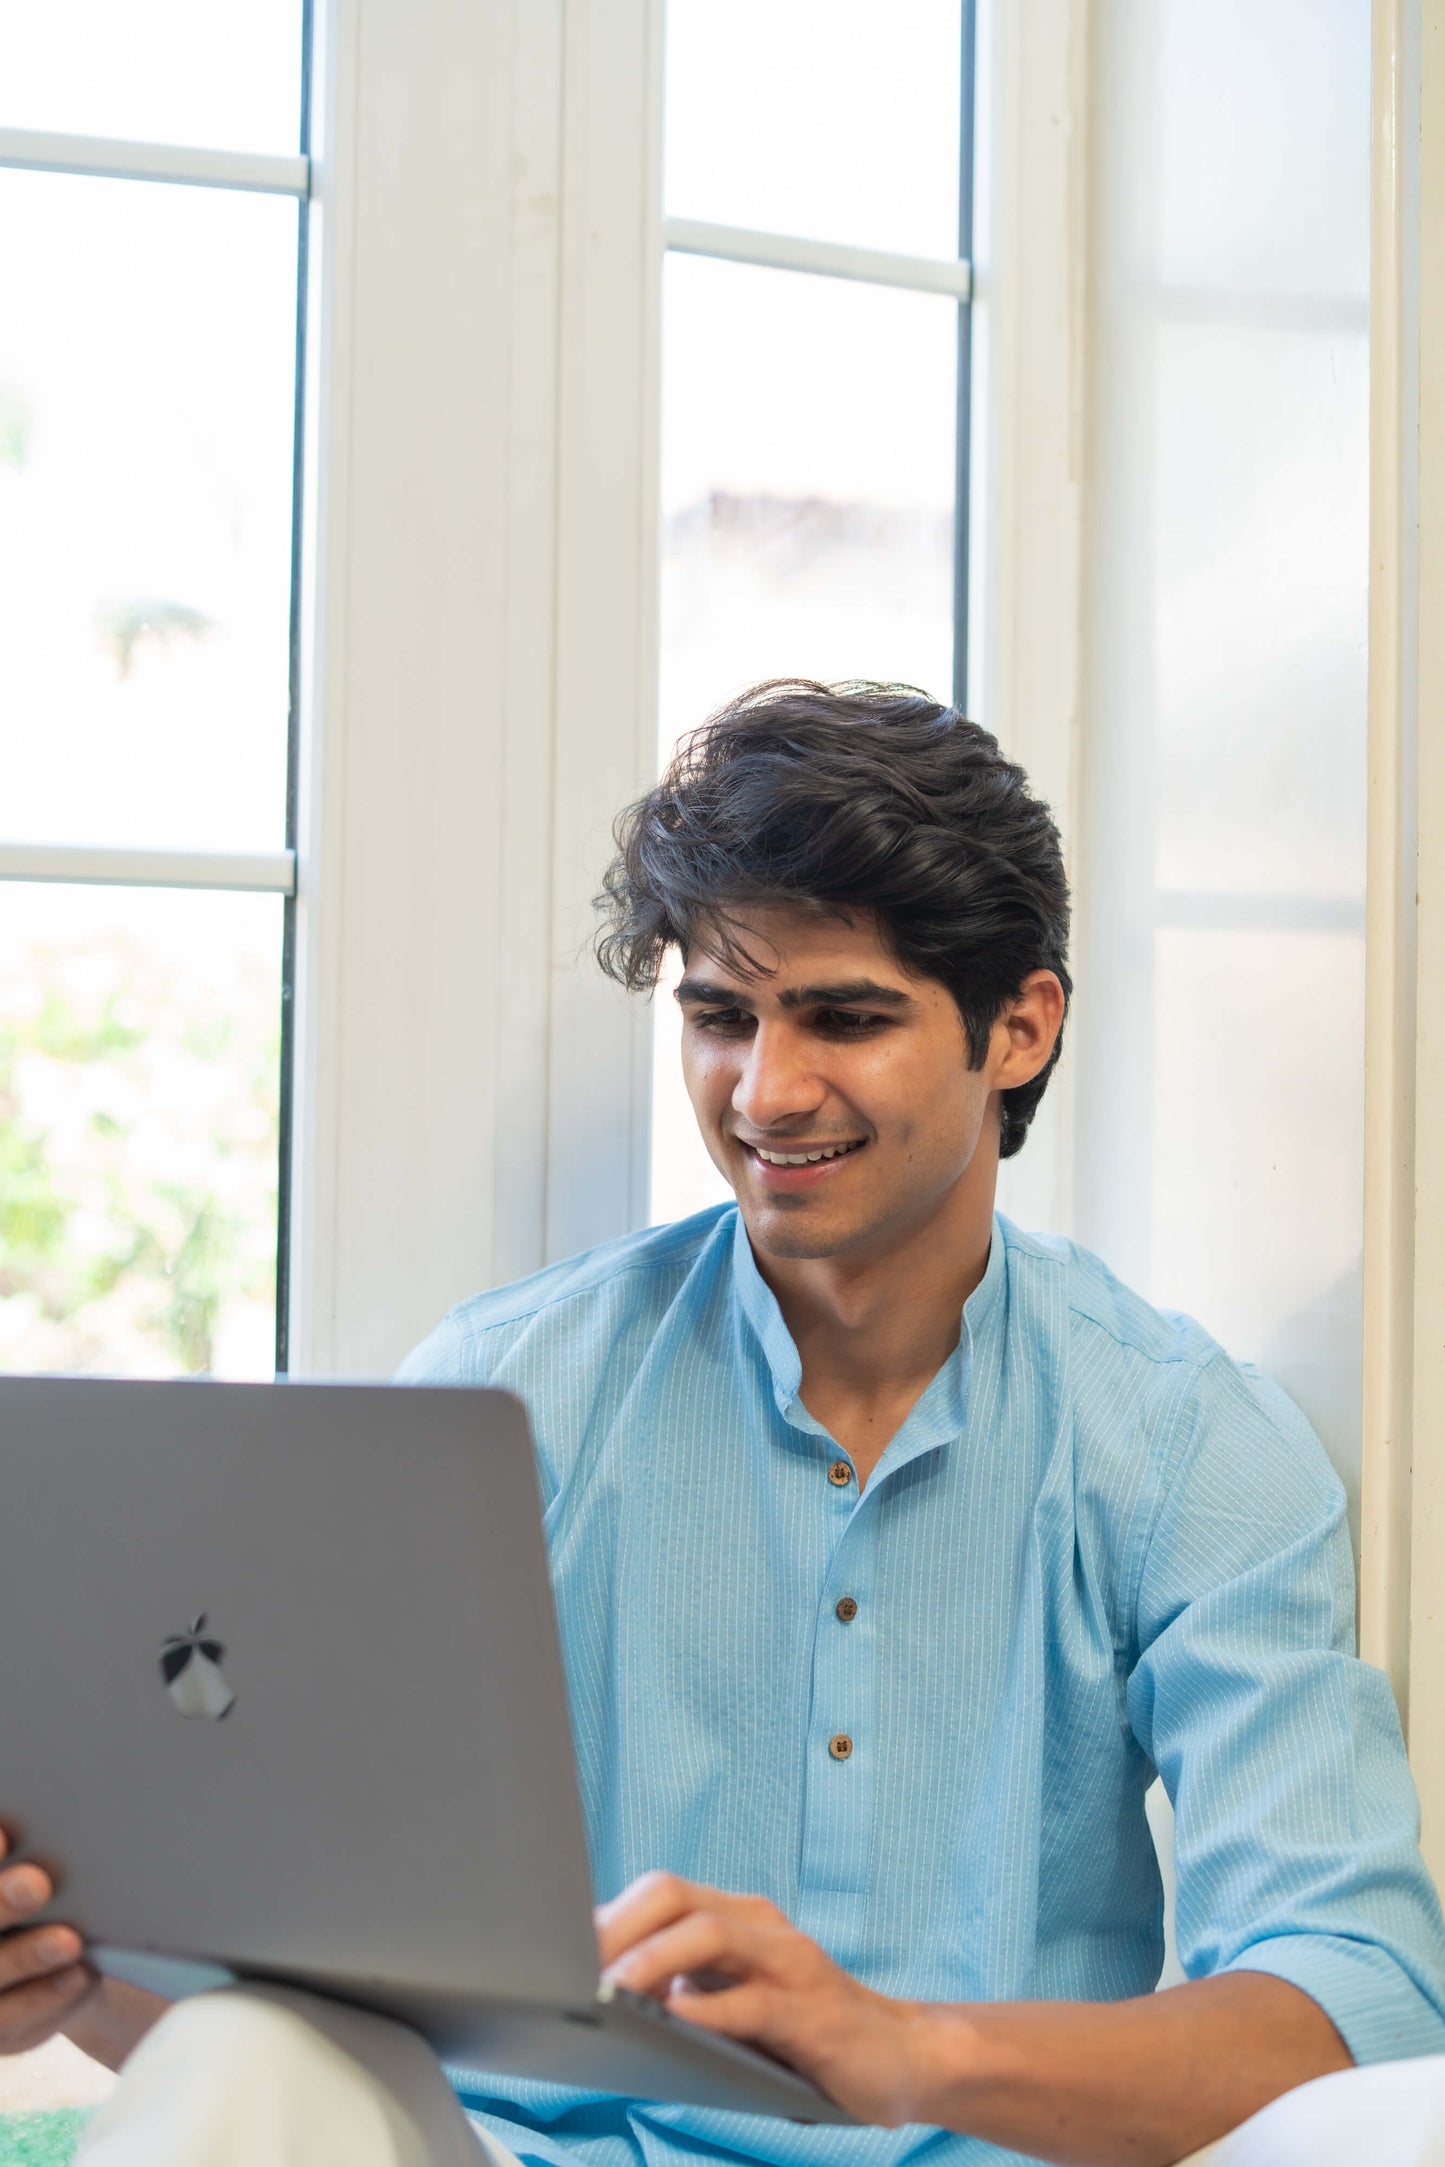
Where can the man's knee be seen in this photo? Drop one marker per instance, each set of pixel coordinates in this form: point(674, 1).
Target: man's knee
point(252, 2076)
point(235, 2032)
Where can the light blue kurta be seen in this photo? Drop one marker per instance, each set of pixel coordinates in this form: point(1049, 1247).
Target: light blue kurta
point(1097, 1547)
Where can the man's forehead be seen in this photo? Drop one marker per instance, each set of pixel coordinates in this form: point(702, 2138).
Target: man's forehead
point(774, 947)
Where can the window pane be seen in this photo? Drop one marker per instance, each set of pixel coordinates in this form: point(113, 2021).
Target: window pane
point(1219, 1051)
point(838, 119)
point(147, 362)
point(1261, 458)
point(807, 483)
point(1291, 1178)
point(157, 71)
point(139, 1065)
point(808, 471)
point(1253, 194)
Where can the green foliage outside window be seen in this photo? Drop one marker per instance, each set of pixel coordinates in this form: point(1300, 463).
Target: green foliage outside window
point(138, 1140)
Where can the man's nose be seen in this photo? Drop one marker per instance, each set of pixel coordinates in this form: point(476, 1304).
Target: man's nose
point(778, 1080)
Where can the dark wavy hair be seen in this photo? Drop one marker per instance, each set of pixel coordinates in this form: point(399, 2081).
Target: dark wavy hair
point(851, 797)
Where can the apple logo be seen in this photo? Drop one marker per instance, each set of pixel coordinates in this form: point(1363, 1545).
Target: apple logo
point(191, 1668)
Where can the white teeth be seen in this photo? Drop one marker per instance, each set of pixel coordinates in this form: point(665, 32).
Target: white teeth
point(802, 1158)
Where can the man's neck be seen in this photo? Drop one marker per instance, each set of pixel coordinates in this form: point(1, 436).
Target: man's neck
point(874, 1327)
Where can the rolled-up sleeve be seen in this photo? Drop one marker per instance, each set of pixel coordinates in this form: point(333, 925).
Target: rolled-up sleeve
point(1296, 1820)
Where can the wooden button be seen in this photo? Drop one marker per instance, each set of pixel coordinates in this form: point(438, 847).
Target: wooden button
point(840, 1474)
point(840, 1745)
point(847, 1609)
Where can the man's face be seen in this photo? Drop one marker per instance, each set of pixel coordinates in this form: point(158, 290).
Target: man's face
point(833, 1090)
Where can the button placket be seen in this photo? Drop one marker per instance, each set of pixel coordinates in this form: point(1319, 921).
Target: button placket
point(839, 1779)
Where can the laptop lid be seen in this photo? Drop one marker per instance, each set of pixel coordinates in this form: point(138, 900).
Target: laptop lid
point(244, 1693)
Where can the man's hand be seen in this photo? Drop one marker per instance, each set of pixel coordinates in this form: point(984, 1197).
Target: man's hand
point(47, 1987)
point(734, 1964)
point(1089, 2084)
point(43, 1981)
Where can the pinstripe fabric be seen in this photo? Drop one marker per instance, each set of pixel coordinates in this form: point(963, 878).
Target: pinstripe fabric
point(1096, 1547)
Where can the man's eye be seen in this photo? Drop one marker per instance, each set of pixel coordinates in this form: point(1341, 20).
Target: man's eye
point(847, 1022)
point(721, 1019)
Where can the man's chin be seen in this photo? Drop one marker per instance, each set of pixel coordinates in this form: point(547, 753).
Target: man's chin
point(796, 1230)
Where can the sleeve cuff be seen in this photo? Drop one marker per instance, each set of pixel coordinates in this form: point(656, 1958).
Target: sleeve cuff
point(1374, 2004)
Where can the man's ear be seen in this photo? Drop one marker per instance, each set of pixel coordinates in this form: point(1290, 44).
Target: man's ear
point(1026, 1033)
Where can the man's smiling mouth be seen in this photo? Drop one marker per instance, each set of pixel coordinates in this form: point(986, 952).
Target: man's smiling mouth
point(806, 1158)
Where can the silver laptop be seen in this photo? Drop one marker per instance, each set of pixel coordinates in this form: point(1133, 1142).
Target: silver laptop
point(281, 1698)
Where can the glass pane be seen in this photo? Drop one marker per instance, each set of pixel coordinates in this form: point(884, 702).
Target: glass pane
point(1261, 456)
point(147, 363)
point(838, 119)
point(139, 1073)
point(1294, 1177)
point(1258, 193)
point(156, 71)
point(807, 483)
point(1219, 1046)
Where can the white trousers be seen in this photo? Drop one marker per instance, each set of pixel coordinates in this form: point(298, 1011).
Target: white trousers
point(1388, 2114)
point(271, 2078)
point(264, 2077)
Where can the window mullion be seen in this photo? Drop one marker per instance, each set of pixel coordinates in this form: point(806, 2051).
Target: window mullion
point(963, 467)
point(113, 158)
point(827, 259)
point(236, 872)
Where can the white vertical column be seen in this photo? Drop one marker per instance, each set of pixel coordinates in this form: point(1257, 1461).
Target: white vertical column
point(1427, 1572)
point(479, 691)
point(1030, 359)
point(1389, 1262)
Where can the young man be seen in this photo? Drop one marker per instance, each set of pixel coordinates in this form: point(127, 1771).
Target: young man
point(894, 1552)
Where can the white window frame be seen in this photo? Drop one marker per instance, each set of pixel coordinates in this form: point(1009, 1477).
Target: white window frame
point(115, 158)
point(1030, 358)
point(1402, 1563)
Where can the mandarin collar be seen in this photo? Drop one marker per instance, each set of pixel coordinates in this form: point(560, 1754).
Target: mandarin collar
point(941, 1410)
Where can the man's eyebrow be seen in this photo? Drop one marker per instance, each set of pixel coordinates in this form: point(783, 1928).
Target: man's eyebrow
point(711, 996)
point(851, 993)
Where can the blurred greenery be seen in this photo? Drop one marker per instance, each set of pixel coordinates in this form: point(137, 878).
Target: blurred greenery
point(41, 2140)
point(15, 423)
point(123, 626)
point(138, 1142)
